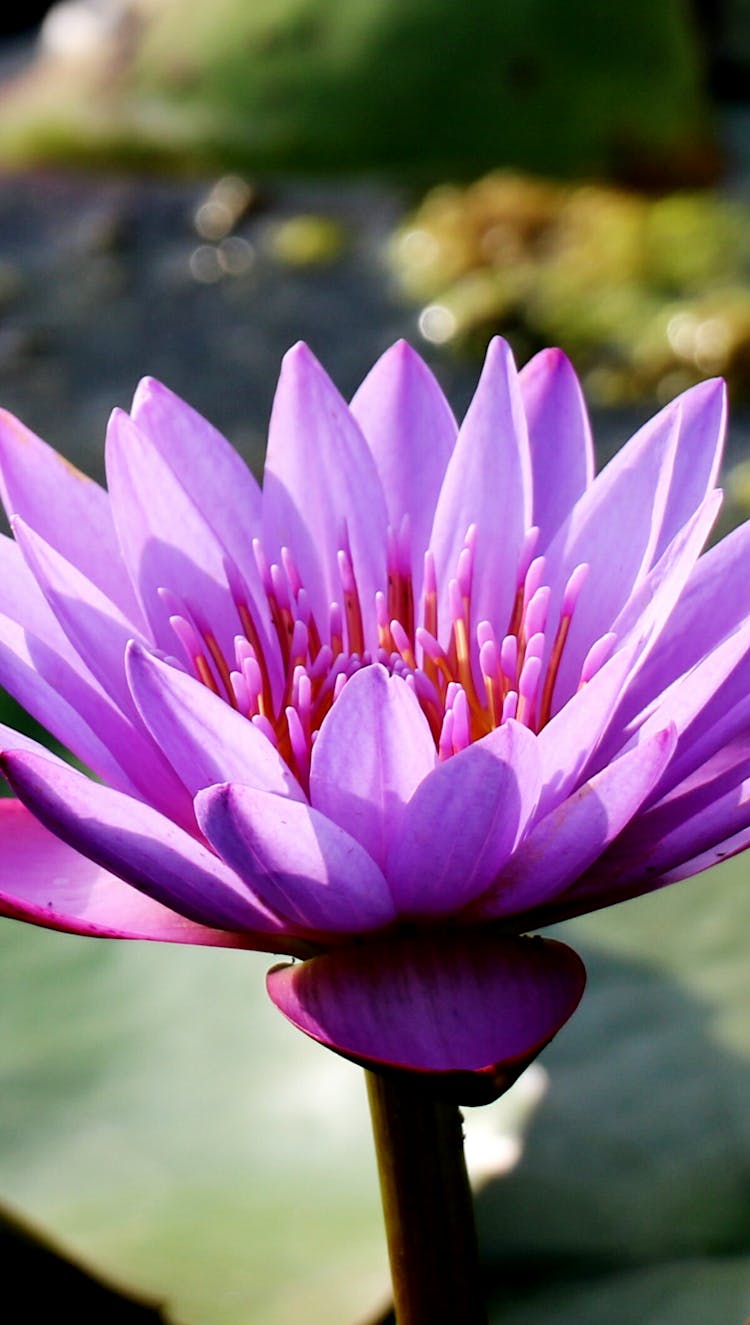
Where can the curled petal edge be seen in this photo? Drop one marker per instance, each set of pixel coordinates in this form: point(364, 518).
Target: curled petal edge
point(463, 1013)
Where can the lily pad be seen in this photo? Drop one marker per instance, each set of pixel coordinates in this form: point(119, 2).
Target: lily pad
point(680, 1293)
point(641, 1151)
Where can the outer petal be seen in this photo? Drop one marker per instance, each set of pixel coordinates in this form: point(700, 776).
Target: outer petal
point(167, 542)
point(703, 616)
point(296, 860)
point(574, 835)
point(46, 883)
point(204, 739)
point(463, 822)
point(568, 743)
point(709, 706)
point(702, 425)
point(487, 483)
point(136, 843)
point(562, 449)
point(95, 626)
point(321, 490)
point(411, 432)
point(371, 753)
point(215, 475)
point(67, 508)
point(25, 664)
point(608, 530)
point(468, 1010)
point(710, 807)
point(100, 633)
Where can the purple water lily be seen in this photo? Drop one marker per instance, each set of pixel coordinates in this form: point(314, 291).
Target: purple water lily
point(430, 688)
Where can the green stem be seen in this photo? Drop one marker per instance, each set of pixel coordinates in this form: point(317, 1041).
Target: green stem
point(427, 1204)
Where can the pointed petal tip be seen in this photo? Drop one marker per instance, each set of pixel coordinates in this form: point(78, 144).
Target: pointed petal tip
point(464, 1012)
point(147, 388)
point(499, 354)
point(299, 356)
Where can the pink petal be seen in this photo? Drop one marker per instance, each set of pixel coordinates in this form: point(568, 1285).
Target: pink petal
point(297, 861)
point(321, 490)
point(168, 543)
point(710, 807)
point(94, 624)
point(411, 432)
point(702, 426)
point(69, 510)
point(216, 477)
point(469, 1009)
point(77, 715)
point(100, 633)
point(46, 883)
point(704, 615)
point(708, 707)
point(568, 743)
point(204, 739)
point(613, 528)
point(487, 483)
point(136, 843)
point(562, 450)
point(575, 834)
point(372, 751)
point(463, 822)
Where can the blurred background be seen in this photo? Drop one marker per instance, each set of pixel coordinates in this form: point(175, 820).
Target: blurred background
point(185, 191)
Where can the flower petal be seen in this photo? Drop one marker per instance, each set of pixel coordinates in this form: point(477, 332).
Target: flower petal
point(321, 490)
point(77, 715)
point(95, 626)
point(704, 615)
point(215, 476)
point(564, 755)
point(702, 425)
point(69, 510)
point(372, 751)
point(487, 483)
point(574, 835)
point(167, 543)
point(204, 739)
point(295, 859)
point(468, 1010)
point(135, 842)
point(100, 633)
point(47, 883)
point(613, 529)
point(562, 449)
point(463, 822)
point(411, 432)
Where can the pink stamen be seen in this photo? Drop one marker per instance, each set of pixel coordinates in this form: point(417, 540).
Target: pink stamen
point(461, 728)
point(510, 705)
point(242, 697)
point(291, 572)
point(528, 685)
point(535, 615)
point(445, 740)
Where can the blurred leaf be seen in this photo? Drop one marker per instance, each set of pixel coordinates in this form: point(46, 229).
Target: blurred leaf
point(641, 1151)
point(181, 1138)
point(687, 1293)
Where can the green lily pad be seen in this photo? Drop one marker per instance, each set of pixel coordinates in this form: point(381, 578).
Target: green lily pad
point(682, 1293)
point(641, 1150)
point(165, 1124)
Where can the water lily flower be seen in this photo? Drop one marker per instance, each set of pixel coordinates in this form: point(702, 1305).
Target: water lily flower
point(429, 689)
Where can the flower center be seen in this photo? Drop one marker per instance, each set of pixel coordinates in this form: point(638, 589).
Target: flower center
point(466, 686)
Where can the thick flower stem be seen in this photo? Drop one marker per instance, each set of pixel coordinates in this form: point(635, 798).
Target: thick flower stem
point(427, 1204)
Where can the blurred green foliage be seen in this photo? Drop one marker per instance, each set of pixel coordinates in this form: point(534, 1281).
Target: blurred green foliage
point(648, 295)
point(422, 87)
